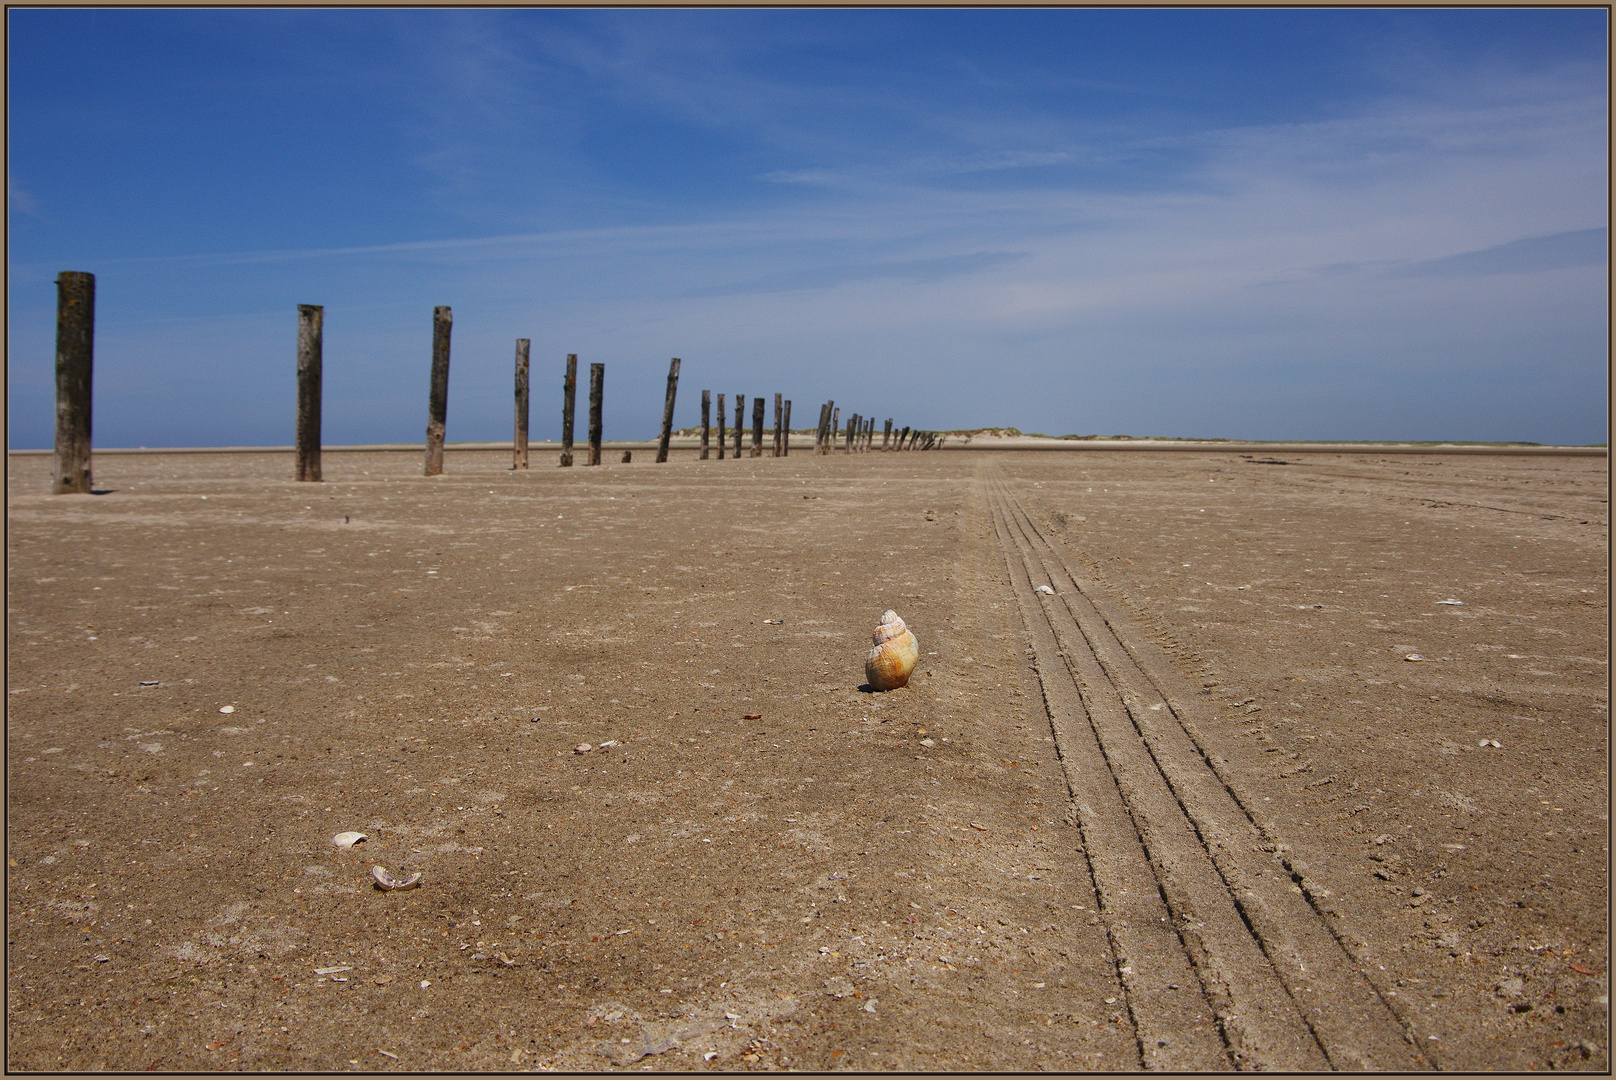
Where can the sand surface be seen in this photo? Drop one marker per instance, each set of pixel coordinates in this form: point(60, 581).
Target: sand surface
point(1192, 807)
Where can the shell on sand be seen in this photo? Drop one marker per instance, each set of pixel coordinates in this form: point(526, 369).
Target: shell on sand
point(893, 655)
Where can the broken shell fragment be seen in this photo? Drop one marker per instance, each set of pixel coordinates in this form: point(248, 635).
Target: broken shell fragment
point(388, 882)
point(348, 839)
point(1045, 589)
point(893, 655)
point(582, 748)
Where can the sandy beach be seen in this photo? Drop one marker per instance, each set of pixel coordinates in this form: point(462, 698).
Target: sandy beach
point(1215, 758)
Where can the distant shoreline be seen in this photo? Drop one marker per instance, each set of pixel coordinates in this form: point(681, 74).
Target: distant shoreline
point(954, 441)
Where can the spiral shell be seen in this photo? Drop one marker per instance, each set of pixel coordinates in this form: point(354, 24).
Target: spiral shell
point(894, 654)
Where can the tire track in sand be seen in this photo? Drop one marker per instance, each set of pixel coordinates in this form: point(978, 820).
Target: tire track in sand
point(1222, 953)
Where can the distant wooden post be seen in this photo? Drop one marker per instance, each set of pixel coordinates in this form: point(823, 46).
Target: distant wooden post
point(569, 397)
point(438, 403)
point(706, 415)
point(853, 423)
point(310, 327)
point(778, 418)
point(667, 411)
point(886, 434)
point(519, 445)
point(740, 419)
point(785, 434)
point(819, 432)
point(721, 439)
point(902, 435)
point(75, 351)
point(597, 381)
point(757, 427)
point(835, 432)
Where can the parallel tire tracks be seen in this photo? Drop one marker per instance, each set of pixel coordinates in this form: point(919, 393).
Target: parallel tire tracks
point(1224, 959)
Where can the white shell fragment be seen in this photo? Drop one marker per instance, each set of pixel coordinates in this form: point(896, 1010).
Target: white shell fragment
point(1455, 603)
point(1414, 656)
point(228, 709)
point(387, 881)
point(1045, 589)
point(348, 839)
point(582, 748)
point(1491, 742)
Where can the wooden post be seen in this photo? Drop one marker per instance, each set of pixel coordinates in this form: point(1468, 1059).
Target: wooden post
point(886, 434)
point(721, 439)
point(835, 432)
point(667, 411)
point(852, 422)
point(824, 425)
point(75, 354)
point(310, 327)
point(785, 434)
point(519, 445)
point(740, 418)
point(597, 382)
point(757, 426)
point(778, 419)
point(902, 435)
point(569, 397)
point(706, 416)
point(438, 402)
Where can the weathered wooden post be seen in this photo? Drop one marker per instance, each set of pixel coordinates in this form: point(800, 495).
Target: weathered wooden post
point(852, 423)
point(706, 415)
point(519, 445)
point(777, 421)
point(886, 434)
point(75, 351)
point(310, 327)
point(721, 439)
point(667, 411)
point(569, 397)
point(824, 425)
point(438, 402)
point(597, 381)
point(785, 435)
point(902, 435)
point(835, 432)
point(757, 426)
point(740, 418)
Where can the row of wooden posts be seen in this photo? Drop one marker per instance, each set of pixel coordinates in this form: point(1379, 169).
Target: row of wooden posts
point(859, 436)
point(75, 348)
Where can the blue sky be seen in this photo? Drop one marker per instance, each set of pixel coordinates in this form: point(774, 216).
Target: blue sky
point(1377, 224)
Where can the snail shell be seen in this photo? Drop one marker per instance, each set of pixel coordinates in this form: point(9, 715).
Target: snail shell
point(893, 656)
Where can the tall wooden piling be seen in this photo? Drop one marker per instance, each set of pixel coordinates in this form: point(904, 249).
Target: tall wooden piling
point(757, 426)
point(310, 332)
point(886, 434)
point(721, 439)
point(519, 440)
point(597, 383)
point(706, 415)
point(835, 432)
point(667, 411)
point(75, 352)
point(822, 431)
point(438, 401)
point(785, 434)
point(569, 397)
point(902, 435)
point(740, 419)
point(778, 399)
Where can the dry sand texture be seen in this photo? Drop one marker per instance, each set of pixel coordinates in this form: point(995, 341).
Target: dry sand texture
point(1192, 807)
